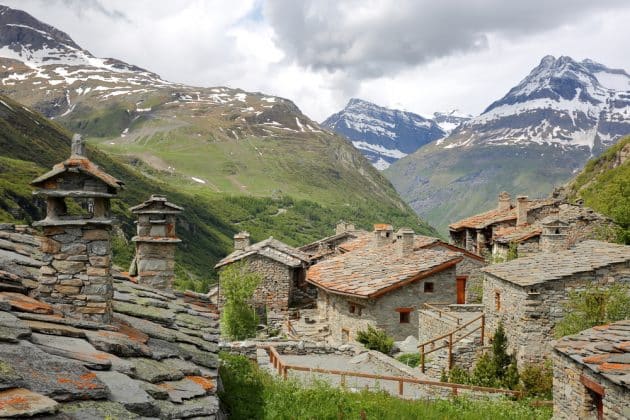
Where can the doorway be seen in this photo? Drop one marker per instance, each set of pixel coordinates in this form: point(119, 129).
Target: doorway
point(461, 289)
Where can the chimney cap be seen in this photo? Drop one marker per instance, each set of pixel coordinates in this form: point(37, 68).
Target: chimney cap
point(521, 197)
point(406, 231)
point(241, 235)
point(383, 227)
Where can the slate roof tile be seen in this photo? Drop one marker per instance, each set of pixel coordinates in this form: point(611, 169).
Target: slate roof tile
point(270, 248)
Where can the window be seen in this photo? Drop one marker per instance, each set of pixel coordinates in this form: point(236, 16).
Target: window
point(497, 301)
point(352, 307)
point(404, 317)
point(428, 287)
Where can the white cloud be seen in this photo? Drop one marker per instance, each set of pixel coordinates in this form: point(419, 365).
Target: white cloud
point(422, 56)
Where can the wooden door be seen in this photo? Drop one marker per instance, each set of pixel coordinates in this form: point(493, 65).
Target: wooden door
point(461, 289)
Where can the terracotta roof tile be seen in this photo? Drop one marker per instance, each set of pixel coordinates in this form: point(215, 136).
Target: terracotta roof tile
point(604, 351)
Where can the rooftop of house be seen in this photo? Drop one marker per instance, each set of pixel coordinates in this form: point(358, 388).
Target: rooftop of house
point(605, 350)
point(490, 217)
point(157, 359)
point(80, 164)
point(369, 271)
point(542, 267)
point(522, 233)
point(270, 248)
point(320, 247)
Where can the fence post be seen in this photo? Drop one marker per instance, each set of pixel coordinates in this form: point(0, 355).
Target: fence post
point(450, 351)
point(343, 381)
point(400, 388)
point(454, 391)
point(285, 372)
point(483, 327)
point(422, 357)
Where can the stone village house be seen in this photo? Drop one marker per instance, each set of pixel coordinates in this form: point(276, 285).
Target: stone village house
point(528, 293)
point(80, 340)
point(382, 280)
point(529, 225)
point(591, 374)
point(282, 267)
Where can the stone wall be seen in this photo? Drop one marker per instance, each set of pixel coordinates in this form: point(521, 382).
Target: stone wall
point(155, 264)
point(335, 309)
point(76, 276)
point(431, 325)
point(248, 348)
point(530, 313)
point(471, 267)
point(571, 400)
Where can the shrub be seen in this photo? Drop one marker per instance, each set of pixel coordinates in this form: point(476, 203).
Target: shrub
point(537, 380)
point(375, 339)
point(410, 359)
point(594, 306)
point(237, 286)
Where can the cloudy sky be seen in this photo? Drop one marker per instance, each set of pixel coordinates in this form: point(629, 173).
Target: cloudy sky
point(418, 55)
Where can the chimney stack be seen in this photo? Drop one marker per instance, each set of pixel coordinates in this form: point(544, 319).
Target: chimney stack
point(405, 238)
point(241, 241)
point(521, 210)
point(504, 201)
point(383, 234)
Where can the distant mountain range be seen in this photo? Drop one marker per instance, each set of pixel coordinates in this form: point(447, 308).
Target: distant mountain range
point(384, 135)
point(256, 159)
point(534, 138)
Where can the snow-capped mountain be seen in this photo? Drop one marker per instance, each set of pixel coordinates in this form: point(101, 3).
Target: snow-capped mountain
point(448, 121)
point(383, 135)
point(561, 101)
point(539, 135)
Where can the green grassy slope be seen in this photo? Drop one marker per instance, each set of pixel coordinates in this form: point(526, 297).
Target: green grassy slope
point(31, 144)
point(604, 184)
point(446, 185)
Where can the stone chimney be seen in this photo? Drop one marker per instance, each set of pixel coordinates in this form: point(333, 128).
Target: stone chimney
point(155, 240)
point(521, 210)
point(343, 227)
point(505, 201)
point(76, 247)
point(405, 238)
point(241, 241)
point(554, 236)
point(383, 234)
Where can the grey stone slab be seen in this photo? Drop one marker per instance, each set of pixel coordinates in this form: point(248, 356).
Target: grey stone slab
point(117, 344)
point(12, 329)
point(20, 402)
point(73, 348)
point(94, 410)
point(73, 322)
point(186, 367)
point(154, 390)
point(205, 407)
point(162, 349)
point(129, 393)
point(9, 377)
point(152, 329)
point(56, 377)
point(199, 357)
point(194, 322)
point(181, 390)
point(149, 370)
point(163, 316)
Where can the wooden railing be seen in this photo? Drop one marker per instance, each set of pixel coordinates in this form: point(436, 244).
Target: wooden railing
point(283, 369)
point(291, 332)
point(452, 339)
point(441, 313)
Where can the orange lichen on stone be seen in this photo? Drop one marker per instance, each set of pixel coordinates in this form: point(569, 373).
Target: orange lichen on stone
point(133, 333)
point(601, 327)
point(25, 303)
point(85, 381)
point(205, 383)
point(596, 358)
point(614, 367)
point(16, 402)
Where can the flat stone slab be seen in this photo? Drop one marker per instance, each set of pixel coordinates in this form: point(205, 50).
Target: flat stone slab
point(162, 349)
point(20, 402)
point(55, 329)
point(199, 357)
point(118, 344)
point(198, 341)
point(154, 390)
point(163, 316)
point(73, 348)
point(184, 366)
point(194, 322)
point(129, 393)
point(9, 378)
point(94, 410)
point(181, 390)
point(152, 329)
point(24, 303)
point(149, 370)
point(78, 323)
point(56, 377)
point(12, 329)
point(205, 407)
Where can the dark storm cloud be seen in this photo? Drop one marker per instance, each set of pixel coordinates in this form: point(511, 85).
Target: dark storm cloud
point(368, 39)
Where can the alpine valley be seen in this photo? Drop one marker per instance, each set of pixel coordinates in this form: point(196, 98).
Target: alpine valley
point(235, 159)
point(536, 137)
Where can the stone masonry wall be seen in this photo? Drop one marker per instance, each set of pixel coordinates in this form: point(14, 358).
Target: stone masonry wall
point(382, 312)
point(156, 264)
point(76, 276)
point(471, 268)
point(571, 399)
point(530, 313)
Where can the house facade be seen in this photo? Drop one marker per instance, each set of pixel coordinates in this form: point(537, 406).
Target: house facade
point(330, 246)
point(590, 374)
point(528, 294)
point(382, 283)
point(282, 267)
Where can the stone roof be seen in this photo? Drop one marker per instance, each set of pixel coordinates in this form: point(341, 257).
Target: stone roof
point(157, 359)
point(605, 350)
point(542, 267)
point(320, 247)
point(369, 272)
point(156, 204)
point(516, 233)
point(82, 164)
point(483, 220)
point(270, 248)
